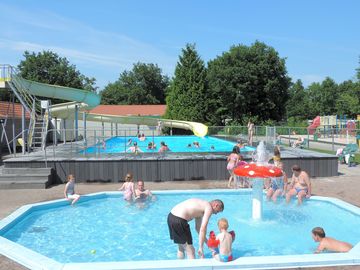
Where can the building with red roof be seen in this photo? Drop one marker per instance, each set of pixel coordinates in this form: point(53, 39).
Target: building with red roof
point(6, 110)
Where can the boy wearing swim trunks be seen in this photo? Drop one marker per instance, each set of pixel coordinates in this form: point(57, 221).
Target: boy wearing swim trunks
point(226, 239)
point(179, 229)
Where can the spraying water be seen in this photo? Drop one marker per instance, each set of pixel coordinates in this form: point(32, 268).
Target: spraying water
point(261, 156)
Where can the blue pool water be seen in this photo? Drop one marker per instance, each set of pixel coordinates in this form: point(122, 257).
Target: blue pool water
point(175, 143)
point(109, 229)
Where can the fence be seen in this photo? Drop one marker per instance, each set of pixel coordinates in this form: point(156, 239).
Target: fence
point(327, 136)
point(76, 143)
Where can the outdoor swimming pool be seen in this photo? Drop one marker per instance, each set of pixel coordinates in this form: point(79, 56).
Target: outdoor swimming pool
point(106, 229)
point(175, 143)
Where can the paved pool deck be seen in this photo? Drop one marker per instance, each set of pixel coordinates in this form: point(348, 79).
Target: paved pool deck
point(345, 186)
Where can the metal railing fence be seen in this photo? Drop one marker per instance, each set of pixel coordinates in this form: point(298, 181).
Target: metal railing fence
point(91, 142)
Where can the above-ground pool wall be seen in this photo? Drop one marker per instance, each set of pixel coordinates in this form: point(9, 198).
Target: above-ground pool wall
point(114, 170)
point(315, 167)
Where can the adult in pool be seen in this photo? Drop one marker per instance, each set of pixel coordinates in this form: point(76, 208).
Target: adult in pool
point(179, 229)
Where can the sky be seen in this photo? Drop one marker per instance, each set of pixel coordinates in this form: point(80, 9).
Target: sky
point(318, 38)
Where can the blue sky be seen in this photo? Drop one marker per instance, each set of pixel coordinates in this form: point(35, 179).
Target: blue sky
point(103, 38)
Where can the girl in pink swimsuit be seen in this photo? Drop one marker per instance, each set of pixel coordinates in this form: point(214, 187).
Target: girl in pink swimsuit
point(128, 188)
point(232, 160)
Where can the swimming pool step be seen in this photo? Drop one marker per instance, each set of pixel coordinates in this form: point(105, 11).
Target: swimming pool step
point(25, 178)
point(23, 184)
point(43, 171)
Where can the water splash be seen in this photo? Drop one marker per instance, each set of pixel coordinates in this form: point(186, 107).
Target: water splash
point(261, 156)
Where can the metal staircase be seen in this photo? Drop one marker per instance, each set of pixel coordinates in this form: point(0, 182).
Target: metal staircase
point(38, 122)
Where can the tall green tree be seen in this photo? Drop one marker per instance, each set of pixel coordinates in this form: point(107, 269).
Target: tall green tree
point(144, 84)
point(48, 67)
point(348, 101)
point(314, 92)
point(187, 96)
point(297, 105)
point(328, 97)
point(248, 81)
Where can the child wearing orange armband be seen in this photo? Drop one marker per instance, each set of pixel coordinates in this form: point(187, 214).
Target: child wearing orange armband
point(221, 244)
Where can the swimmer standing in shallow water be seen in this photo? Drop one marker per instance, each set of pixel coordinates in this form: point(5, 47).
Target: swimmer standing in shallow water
point(179, 229)
point(225, 242)
point(128, 187)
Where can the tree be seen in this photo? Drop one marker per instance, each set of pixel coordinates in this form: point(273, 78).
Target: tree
point(328, 97)
point(248, 81)
point(48, 67)
point(114, 94)
point(144, 84)
point(358, 72)
point(297, 105)
point(348, 101)
point(314, 96)
point(187, 95)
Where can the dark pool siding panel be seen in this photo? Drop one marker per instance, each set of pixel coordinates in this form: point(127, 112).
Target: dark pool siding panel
point(108, 170)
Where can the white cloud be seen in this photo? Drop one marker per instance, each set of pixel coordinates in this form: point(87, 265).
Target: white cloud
point(38, 30)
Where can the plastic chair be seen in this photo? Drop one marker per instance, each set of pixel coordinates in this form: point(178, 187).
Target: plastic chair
point(349, 153)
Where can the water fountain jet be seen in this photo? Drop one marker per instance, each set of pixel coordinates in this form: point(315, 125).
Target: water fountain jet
point(257, 171)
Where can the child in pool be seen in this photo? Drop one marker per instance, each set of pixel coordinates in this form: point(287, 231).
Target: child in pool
point(225, 242)
point(328, 243)
point(128, 187)
point(69, 191)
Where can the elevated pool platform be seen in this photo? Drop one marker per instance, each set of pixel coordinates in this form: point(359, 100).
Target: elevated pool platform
point(66, 159)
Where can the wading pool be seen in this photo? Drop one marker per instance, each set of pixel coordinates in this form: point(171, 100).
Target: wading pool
point(104, 229)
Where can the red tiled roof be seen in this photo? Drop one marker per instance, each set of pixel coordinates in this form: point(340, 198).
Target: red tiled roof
point(6, 110)
point(130, 110)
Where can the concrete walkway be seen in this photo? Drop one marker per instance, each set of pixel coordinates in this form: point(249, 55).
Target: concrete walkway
point(346, 187)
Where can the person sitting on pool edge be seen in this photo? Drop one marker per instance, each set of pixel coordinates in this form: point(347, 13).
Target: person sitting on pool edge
point(69, 191)
point(300, 185)
point(328, 243)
